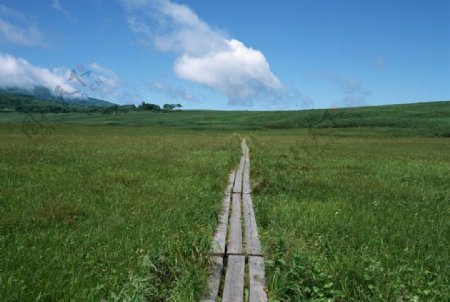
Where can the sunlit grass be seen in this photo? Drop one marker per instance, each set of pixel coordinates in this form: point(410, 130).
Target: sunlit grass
point(353, 218)
point(119, 212)
point(109, 213)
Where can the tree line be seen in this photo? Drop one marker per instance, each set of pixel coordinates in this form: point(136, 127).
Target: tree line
point(143, 107)
point(31, 104)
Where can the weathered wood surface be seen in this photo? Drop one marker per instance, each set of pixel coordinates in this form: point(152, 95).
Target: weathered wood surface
point(214, 279)
point(229, 188)
point(227, 251)
point(246, 189)
point(257, 292)
point(233, 290)
point(252, 243)
point(238, 178)
point(235, 236)
point(220, 237)
point(244, 146)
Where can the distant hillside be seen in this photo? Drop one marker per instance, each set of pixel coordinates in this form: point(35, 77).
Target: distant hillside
point(421, 119)
point(44, 94)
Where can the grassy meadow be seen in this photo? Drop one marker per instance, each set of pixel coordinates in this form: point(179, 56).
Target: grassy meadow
point(353, 215)
point(420, 119)
point(351, 204)
point(109, 213)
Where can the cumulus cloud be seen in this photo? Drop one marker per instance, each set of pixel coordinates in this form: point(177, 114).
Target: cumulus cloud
point(206, 55)
point(16, 28)
point(18, 72)
point(354, 92)
point(241, 73)
point(177, 93)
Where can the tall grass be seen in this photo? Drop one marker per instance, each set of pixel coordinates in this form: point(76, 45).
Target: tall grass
point(121, 207)
point(353, 218)
point(109, 213)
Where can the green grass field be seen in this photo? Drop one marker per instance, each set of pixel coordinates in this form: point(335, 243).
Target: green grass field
point(352, 205)
point(109, 213)
point(353, 217)
point(421, 119)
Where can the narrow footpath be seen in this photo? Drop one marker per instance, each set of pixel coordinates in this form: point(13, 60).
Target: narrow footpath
point(236, 249)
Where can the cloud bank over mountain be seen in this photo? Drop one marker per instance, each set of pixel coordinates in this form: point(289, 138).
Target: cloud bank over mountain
point(92, 80)
point(18, 72)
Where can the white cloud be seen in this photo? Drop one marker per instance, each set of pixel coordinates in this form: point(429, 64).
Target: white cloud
point(16, 28)
point(241, 73)
point(206, 55)
point(18, 72)
point(182, 31)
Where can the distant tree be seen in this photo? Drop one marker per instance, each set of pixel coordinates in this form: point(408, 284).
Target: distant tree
point(171, 107)
point(168, 107)
point(148, 107)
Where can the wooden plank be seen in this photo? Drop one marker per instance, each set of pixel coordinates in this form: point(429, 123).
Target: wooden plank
point(246, 189)
point(230, 182)
point(238, 178)
point(214, 279)
point(246, 172)
point(235, 235)
point(244, 146)
point(220, 237)
point(233, 290)
point(257, 291)
point(252, 243)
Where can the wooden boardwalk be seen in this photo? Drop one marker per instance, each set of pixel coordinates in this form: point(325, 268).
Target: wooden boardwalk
point(236, 249)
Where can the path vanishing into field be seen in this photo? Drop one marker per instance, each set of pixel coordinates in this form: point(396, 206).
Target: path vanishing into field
point(236, 249)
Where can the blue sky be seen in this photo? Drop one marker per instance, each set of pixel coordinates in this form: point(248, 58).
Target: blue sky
point(256, 55)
